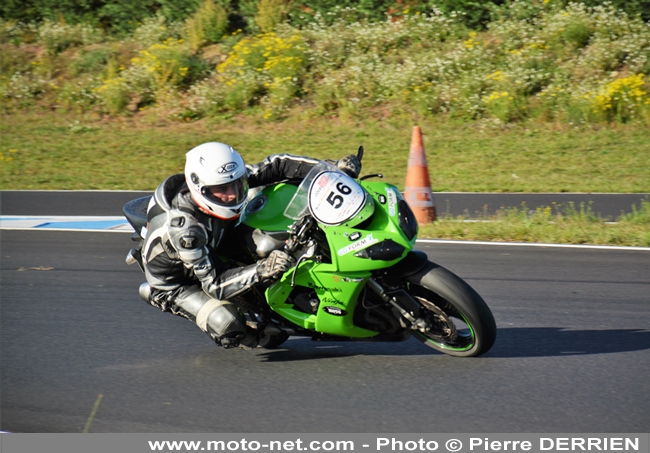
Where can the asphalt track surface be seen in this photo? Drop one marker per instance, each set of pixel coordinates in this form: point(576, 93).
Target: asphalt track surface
point(572, 352)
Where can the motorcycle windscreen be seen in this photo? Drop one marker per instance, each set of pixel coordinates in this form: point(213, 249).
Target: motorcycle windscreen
point(334, 198)
point(298, 207)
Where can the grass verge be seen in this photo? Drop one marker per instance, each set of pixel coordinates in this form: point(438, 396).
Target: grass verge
point(41, 151)
point(558, 225)
point(61, 151)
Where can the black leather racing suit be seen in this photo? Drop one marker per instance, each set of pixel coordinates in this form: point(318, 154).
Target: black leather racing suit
point(180, 254)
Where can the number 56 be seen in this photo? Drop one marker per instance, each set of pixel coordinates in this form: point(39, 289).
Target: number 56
point(337, 200)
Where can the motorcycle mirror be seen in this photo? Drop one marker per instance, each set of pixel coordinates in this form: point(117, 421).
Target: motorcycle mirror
point(360, 152)
point(376, 175)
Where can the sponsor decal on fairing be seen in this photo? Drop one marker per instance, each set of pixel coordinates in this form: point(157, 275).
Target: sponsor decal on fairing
point(368, 240)
point(392, 202)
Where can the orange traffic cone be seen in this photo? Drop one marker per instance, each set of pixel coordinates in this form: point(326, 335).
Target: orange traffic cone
point(417, 191)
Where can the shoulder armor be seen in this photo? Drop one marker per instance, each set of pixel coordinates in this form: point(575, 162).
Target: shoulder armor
point(187, 235)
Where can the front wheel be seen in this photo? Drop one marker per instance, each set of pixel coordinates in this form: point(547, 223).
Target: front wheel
point(461, 324)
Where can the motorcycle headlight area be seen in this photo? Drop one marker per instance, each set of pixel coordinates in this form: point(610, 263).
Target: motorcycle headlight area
point(407, 221)
point(335, 198)
point(387, 250)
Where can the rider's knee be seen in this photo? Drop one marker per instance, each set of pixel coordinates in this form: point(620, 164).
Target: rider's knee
point(225, 319)
point(227, 327)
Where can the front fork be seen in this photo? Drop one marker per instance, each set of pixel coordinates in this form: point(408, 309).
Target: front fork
point(402, 301)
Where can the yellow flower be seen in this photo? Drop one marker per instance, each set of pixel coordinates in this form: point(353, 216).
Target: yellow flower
point(614, 93)
point(497, 75)
point(471, 42)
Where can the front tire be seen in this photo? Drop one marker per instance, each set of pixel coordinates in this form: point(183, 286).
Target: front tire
point(462, 323)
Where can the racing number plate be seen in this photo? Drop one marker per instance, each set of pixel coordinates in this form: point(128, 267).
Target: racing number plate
point(335, 198)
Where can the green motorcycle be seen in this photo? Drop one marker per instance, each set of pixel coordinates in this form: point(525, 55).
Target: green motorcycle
point(357, 275)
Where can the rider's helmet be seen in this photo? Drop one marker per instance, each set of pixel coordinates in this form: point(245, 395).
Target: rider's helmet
point(218, 180)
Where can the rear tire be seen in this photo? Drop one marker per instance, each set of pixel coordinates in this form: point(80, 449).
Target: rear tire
point(463, 325)
point(273, 341)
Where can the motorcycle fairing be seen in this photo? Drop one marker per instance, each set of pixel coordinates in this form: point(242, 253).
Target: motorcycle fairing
point(336, 287)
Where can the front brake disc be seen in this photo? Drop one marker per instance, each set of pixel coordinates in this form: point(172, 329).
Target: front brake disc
point(443, 327)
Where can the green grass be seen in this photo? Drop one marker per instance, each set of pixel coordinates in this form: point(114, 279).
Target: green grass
point(565, 225)
point(41, 151)
point(60, 151)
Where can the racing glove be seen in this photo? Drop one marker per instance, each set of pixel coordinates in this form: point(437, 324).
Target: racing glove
point(274, 266)
point(350, 165)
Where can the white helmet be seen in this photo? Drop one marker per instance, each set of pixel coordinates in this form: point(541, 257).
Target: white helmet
point(218, 179)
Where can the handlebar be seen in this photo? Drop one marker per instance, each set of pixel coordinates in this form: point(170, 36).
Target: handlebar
point(297, 232)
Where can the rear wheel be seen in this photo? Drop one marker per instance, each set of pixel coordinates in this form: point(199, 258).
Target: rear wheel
point(461, 324)
point(273, 341)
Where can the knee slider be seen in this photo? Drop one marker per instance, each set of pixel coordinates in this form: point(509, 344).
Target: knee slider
point(225, 320)
point(145, 292)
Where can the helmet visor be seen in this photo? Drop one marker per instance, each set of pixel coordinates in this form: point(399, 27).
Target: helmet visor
point(229, 194)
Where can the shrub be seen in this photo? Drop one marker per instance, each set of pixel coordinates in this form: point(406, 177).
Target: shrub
point(473, 13)
point(267, 68)
point(121, 17)
point(577, 34)
point(622, 99)
point(364, 64)
point(208, 24)
point(14, 59)
point(91, 61)
point(177, 10)
point(56, 37)
point(167, 64)
point(81, 94)
point(114, 94)
point(154, 73)
point(270, 13)
point(9, 30)
point(558, 62)
point(507, 107)
point(154, 30)
point(21, 90)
